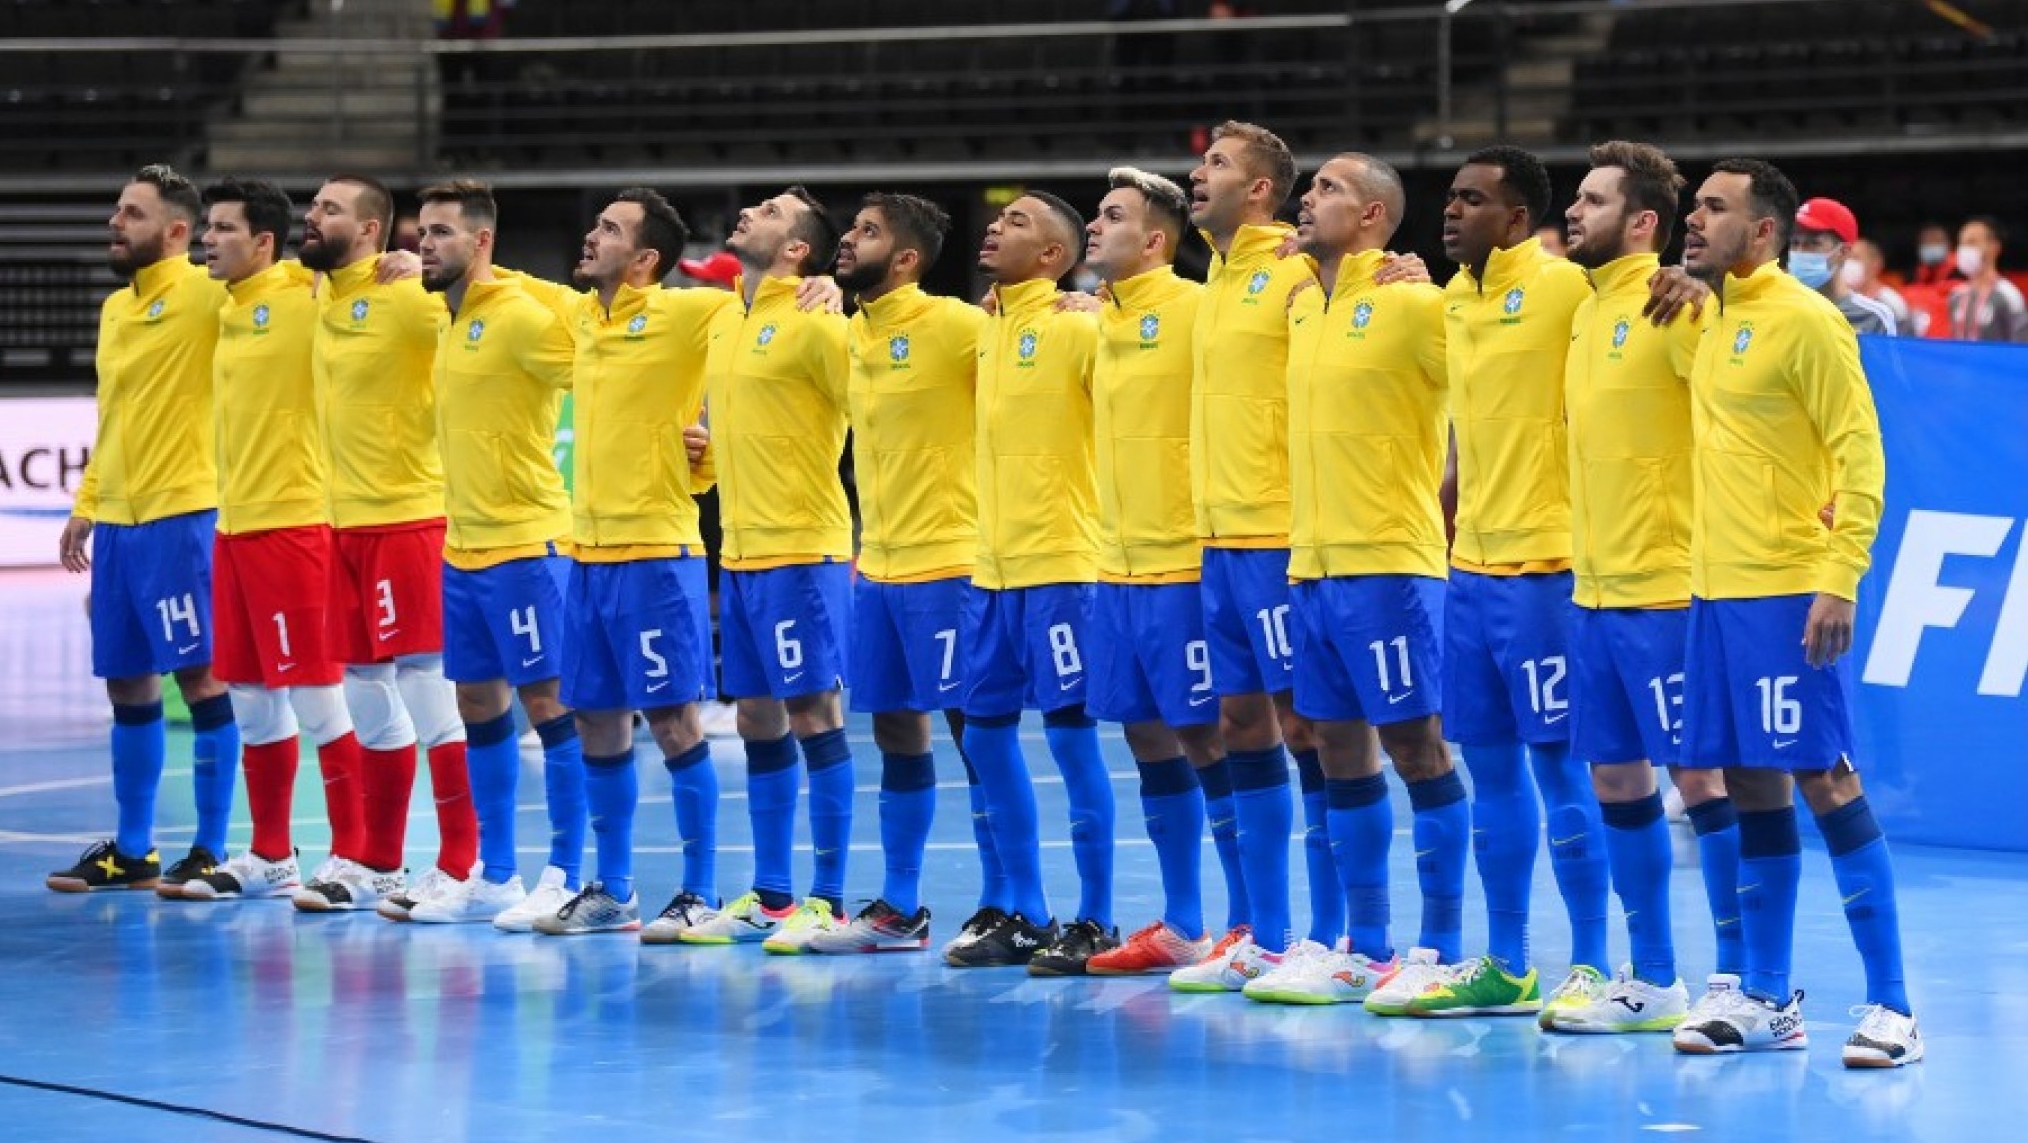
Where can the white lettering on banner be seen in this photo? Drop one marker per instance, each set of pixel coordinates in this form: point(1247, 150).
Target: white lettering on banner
point(1916, 600)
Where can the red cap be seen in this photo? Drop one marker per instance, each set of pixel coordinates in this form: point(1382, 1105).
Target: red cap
point(721, 268)
point(1830, 216)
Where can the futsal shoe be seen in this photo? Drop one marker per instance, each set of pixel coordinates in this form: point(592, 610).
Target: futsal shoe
point(1480, 988)
point(344, 884)
point(1320, 976)
point(1885, 1039)
point(879, 927)
point(745, 921)
point(1068, 954)
point(247, 875)
point(550, 894)
point(468, 901)
point(1624, 1004)
point(104, 867)
point(1584, 987)
point(396, 906)
point(1233, 962)
point(977, 925)
point(1743, 1022)
point(1156, 948)
point(198, 862)
point(1014, 940)
point(1411, 976)
point(792, 937)
point(682, 911)
point(593, 910)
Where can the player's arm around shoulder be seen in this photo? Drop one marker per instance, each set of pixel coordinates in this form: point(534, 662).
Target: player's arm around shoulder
point(547, 347)
point(1424, 302)
point(827, 355)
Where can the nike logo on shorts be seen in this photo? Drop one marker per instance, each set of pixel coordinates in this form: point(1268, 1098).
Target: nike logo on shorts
point(285, 667)
point(792, 678)
point(1553, 718)
point(531, 662)
point(657, 687)
point(1392, 699)
point(1202, 701)
point(186, 650)
point(386, 635)
point(942, 687)
point(1784, 743)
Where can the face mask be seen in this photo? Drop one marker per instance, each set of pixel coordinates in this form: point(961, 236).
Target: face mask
point(1970, 260)
point(1810, 268)
point(1932, 253)
point(1853, 273)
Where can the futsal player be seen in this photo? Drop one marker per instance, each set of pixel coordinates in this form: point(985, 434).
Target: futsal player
point(1784, 424)
point(1239, 483)
point(1025, 618)
point(914, 363)
point(1628, 400)
point(776, 379)
point(1368, 426)
point(374, 346)
point(273, 556)
point(1506, 669)
point(148, 508)
point(1150, 666)
point(500, 372)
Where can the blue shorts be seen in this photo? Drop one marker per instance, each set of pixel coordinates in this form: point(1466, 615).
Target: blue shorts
point(1506, 676)
point(782, 631)
point(1750, 698)
point(1246, 620)
point(637, 634)
point(907, 648)
point(1149, 661)
point(1024, 648)
point(151, 595)
point(505, 621)
point(1369, 648)
point(1626, 684)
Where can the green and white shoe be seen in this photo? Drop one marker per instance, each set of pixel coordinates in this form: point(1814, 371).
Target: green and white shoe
point(1625, 1004)
point(812, 919)
point(1480, 988)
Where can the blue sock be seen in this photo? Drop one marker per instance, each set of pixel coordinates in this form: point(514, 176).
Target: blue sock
point(1770, 866)
point(1506, 832)
point(994, 746)
point(216, 769)
point(612, 788)
point(494, 760)
point(908, 805)
point(1216, 780)
point(1637, 847)
point(1442, 833)
point(771, 781)
point(1716, 824)
point(1173, 804)
point(1362, 828)
point(993, 890)
point(1327, 893)
point(563, 788)
point(828, 757)
point(693, 787)
point(1577, 854)
point(1865, 876)
point(140, 743)
point(1073, 743)
point(1260, 800)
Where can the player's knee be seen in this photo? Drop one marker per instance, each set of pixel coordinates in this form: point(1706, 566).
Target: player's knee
point(542, 702)
point(1698, 786)
point(676, 728)
point(430, 699)
point(1827, 790)
point(901, 732)
point(1298, 732)
point(1623, 781)
point(322, 712)
point(1151, 741)
point(378, 714)
point(815, 713)
point(1247, 722)
point(1759, 790)
point(263, 715)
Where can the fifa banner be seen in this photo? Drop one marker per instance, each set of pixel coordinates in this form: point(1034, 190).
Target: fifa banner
point(1942, 648)
point(44, 442)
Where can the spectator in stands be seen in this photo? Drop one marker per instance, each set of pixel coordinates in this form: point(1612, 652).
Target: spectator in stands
point(1933, 266)
point(1818, 248)
point(1985, 306)
point(1862, 275)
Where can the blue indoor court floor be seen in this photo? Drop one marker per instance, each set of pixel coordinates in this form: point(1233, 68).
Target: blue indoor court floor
point(348, 1027)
